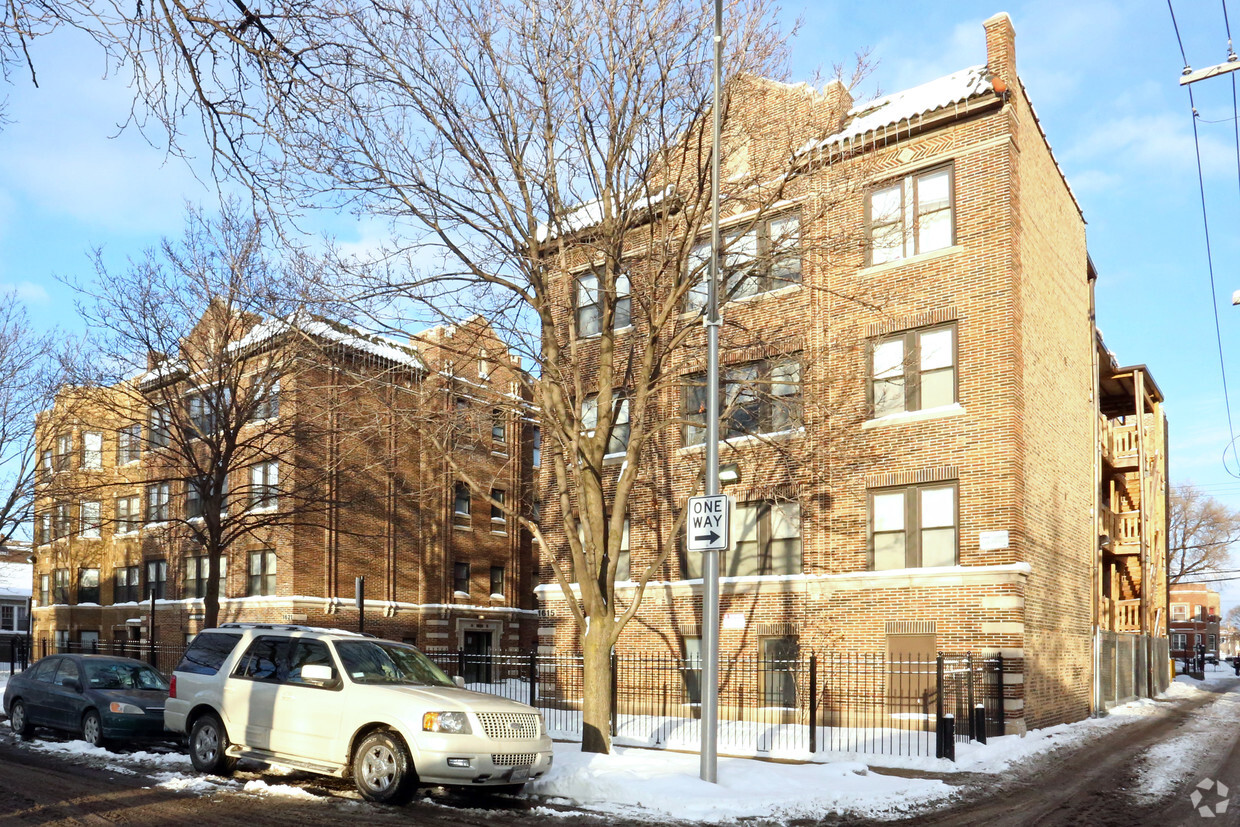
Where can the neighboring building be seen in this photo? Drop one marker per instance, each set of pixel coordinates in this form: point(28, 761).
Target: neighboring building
point(15, 579)
point(355, 480)
point(926, 475)
point(1195, 621)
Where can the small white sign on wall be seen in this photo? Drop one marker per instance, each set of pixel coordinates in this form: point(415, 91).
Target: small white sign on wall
point(992, 540)
point(734, 620)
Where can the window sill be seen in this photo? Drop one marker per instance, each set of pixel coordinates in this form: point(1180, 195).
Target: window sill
point(756, 297)
point(617, 331)
point(155, 525)
point(614, 459)
point(941, 412)
point(462, 526)
point(499, 532)
point(133, 532)
point(503, 454)
point(887, 266)
point(748, 440)
point(266, 509)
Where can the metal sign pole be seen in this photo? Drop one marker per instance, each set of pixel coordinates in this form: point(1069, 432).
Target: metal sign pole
point(710, 567)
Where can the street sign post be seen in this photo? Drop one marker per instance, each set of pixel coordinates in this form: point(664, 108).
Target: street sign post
point(706, 527)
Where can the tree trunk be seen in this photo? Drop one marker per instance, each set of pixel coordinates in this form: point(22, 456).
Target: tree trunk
point(211, 600)
point(596, 703)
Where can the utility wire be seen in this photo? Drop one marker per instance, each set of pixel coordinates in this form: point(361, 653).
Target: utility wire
point(1205, 221)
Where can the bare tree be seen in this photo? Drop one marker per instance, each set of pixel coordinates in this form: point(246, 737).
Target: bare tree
point(194, 368)
point(28, 378)
point(544, 165)
point(1200, 534)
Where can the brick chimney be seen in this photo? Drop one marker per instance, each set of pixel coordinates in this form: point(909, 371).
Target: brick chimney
point(839, 101)
point(1001, 48)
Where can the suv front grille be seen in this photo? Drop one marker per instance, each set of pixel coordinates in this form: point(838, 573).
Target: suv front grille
point(513, 759)
point(505, 726)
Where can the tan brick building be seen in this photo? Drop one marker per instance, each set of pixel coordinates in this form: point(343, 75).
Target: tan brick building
point(358, 481)
point(922, 470)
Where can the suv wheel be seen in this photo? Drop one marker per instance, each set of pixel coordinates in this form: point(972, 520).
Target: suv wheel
point(208, 743)
point(92, 728)
point(382, 769)
point(20, 721)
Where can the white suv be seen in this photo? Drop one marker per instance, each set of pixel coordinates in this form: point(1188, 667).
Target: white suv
point(344, 704)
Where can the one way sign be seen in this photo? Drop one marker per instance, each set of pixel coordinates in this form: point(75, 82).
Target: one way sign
point(706, 527)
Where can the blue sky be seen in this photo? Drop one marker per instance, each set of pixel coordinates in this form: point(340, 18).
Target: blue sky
point(1103, 77)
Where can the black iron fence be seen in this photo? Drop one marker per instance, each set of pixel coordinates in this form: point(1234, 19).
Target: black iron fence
point(836, 702)
point(163, 656)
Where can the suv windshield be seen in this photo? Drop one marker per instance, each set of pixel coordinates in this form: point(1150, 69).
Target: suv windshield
point(123, 676)
point(376, 661)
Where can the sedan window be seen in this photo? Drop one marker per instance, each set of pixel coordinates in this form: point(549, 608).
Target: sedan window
point(68, 672)
point(123, 676)
point(45, 670)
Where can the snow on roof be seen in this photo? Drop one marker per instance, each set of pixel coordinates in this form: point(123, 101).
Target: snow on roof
point(591, 213)
point(907, 105)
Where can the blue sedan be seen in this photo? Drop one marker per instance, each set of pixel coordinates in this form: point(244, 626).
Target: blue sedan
point(99, 697)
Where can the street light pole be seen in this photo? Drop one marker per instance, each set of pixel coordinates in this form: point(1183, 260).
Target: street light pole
point(710, 567)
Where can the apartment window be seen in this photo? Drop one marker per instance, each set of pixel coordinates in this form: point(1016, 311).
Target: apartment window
point(590, 304)
point(1178, 641)
point(691, 669)
point(766, 540)
point(536, 511)
point(60, 586)
point(460, 500)
point(262, 579)
point(92, 450)
point(913, 370)
point(44, 589)
point(128, 514)
point(622, 556)
point(60, 520)
point(157, 578)
point(780, 658)
point(484, 367)
point(758, 398)
point(88, 586)
point(913, 526)
point(197, 570)
point(1211, 643)
point(158, 430)
point(497, 581)
point(618, 442)
point(128, 444)
point(64, 449)
point(460, 577)
point(765, 257)
point(264, 485)
point(1179, 611)
point(498, 517)
point(911, 216)
point(45, 529)
point(193, 496)
point(8, 618)
point(537, 439)
point(207, 411)
point(267, 402)
point(127, 584)
point(91, 520)
point(497, 426)
point(46, 462)
point(157, 502)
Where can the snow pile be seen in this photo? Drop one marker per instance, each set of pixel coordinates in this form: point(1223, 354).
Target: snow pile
point(645, 782)
point(261, 787)
point(1164, 767)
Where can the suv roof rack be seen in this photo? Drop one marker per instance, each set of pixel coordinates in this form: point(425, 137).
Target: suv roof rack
point(291, 627)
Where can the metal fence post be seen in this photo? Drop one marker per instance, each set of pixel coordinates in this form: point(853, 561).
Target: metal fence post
point(968, 663)
point(615, 682)
point(940, 724)
point(533, 678)
point(979, 723)
point(813, 703)
point(1002, 706)
point(460, 662)
point(949, 737)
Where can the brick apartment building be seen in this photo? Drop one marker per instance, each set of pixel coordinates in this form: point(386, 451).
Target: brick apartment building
point(932, 467)
point(361, 486)
point(1196, 616)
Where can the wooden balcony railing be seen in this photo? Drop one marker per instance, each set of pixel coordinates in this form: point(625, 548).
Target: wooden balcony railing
point(1127, 616)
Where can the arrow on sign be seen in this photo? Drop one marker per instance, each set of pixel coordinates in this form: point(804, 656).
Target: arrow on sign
point(705, 538)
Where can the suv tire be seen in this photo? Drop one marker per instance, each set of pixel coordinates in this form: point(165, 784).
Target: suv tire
point(19, 719)
point(382, 769)
point(208, 743)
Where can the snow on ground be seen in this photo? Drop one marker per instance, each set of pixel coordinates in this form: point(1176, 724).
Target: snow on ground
point(638, 782)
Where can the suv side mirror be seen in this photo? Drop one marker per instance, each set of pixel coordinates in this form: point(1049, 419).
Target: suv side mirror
point(318, 674)
point(459, 681)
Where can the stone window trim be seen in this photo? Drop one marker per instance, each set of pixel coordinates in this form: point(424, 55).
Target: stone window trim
point(913, 525)
point(261, 573)
point(905, 222)
point(750, 260)
point(756, 398)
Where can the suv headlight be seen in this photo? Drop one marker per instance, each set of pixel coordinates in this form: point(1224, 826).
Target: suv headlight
point(125, 709)
point(455, 722)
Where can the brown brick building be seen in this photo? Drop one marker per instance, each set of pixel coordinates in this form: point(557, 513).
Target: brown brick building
point(916, 399)
point(356, 480)
point(1195, 621)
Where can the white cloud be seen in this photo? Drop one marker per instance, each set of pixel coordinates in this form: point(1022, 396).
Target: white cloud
point(29, 292)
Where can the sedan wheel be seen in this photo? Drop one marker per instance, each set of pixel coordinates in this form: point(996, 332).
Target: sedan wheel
point(19, 720)
point(92, 728)
point(382, 770)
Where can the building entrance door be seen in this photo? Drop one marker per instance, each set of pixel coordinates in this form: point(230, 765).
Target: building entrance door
point(477, 651)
